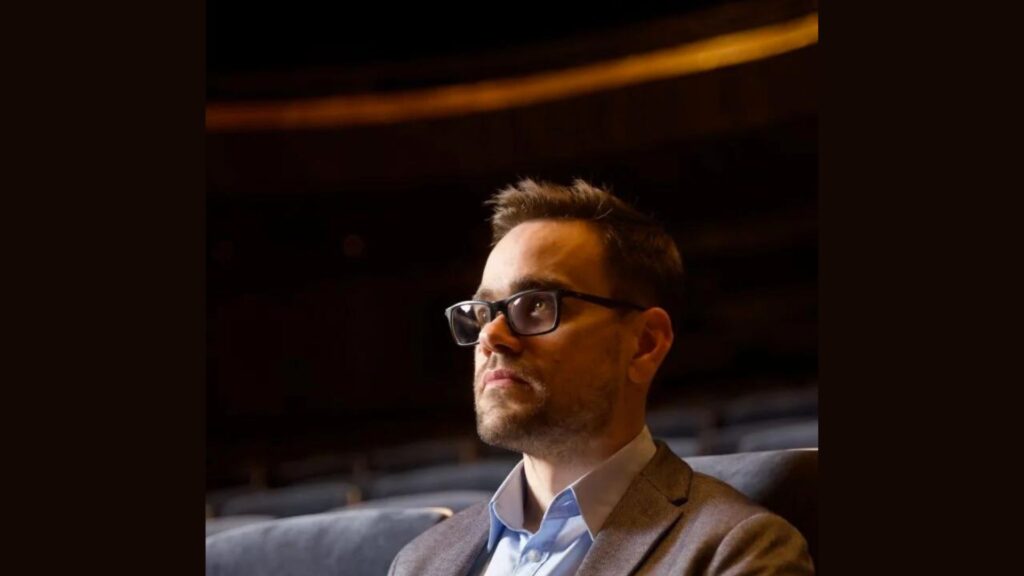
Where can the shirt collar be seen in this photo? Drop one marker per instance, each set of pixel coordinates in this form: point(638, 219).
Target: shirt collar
point(506, 506)
point(595, 494)
point(600, 490)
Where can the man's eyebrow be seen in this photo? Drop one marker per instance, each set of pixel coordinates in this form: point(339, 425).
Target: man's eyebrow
point(522, 284)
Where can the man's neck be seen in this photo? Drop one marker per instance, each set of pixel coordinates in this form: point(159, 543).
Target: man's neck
point(546, 476)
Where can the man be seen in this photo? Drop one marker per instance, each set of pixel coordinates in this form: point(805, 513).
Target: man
point(570, 324)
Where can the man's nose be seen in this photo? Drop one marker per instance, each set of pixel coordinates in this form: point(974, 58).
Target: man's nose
point(496, 336)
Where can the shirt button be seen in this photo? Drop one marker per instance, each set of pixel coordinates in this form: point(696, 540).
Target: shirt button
point(533, 556)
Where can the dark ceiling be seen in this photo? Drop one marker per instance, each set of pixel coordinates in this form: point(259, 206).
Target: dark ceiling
point(247, 37)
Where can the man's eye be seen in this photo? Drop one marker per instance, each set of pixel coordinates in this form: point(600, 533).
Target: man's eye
point(538, 307)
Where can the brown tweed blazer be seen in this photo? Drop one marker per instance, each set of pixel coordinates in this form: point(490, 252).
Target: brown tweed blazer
point(671, 520)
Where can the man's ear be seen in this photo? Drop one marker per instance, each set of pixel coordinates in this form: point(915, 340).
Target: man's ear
point(654, 340)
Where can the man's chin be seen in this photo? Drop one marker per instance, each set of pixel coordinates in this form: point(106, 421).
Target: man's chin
point(503, 416)
point(503, 427)
point(527, 435)
point(503, 437)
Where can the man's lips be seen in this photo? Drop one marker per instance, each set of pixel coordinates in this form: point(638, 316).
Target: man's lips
point(502, 378)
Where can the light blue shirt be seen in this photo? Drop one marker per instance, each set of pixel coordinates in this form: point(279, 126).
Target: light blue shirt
point(570, 523)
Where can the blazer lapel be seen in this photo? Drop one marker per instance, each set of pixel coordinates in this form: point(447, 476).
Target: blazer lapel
point(647, 510)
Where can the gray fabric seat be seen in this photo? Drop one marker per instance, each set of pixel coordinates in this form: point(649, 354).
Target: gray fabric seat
point(293, 500)
point(783, 481)
point(683, 447)
point(793, 435)
point(726, 440)
point(350, 542)
point(222, 523)
point(454, 500)
point(216, 499)
point(480, 475)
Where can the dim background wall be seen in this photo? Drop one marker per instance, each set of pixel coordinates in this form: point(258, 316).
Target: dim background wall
point(333, 250)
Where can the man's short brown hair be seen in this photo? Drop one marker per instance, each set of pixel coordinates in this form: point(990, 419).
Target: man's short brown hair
point(643, 260)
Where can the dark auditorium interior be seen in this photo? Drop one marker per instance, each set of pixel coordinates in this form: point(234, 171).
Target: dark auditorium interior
point(348, 158)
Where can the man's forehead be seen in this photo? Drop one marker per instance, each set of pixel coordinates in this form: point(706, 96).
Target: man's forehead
point(545, 254)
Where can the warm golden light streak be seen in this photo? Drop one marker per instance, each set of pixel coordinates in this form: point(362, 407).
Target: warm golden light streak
point(363, 109)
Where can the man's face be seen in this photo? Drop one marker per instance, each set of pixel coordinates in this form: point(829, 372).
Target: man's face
point(563, 387)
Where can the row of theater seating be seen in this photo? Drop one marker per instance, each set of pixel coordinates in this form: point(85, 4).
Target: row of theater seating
point(767, 421)
point(318, 496)
point(363, 539)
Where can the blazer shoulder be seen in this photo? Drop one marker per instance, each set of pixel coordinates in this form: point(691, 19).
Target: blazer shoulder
point(711, 496)
point(683, 486)
point(451, 542)
point(764, 543)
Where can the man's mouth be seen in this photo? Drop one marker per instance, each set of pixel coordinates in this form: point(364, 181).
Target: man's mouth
point(502, 378)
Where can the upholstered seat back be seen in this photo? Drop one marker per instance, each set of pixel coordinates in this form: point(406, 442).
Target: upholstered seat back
point(350, 542)
point(454, 500)
point(783, 481)
point(309, 498)
point(481, 475)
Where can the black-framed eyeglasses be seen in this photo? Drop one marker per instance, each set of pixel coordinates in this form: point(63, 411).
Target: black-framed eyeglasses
point(528, 313)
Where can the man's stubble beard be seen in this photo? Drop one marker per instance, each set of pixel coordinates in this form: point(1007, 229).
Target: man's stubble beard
point(544, 428)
